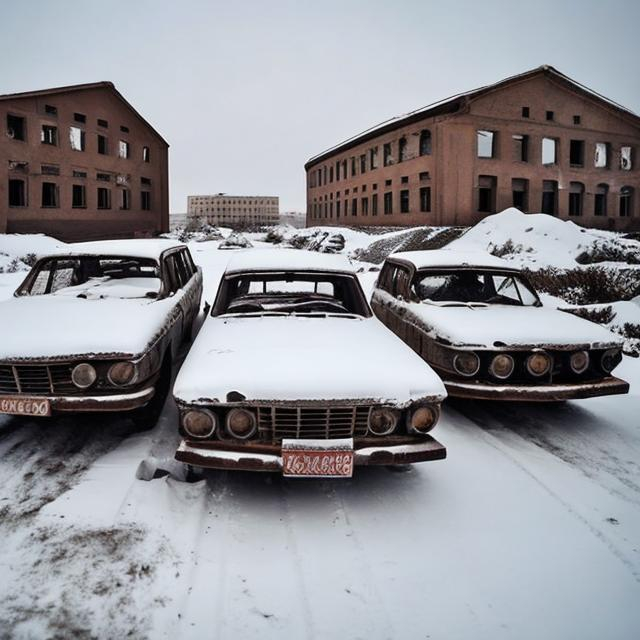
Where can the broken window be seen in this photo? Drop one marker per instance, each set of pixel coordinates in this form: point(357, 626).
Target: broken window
point(388, 203)
point(549, 197)
point(49, 134)
point(600, 200)
point(404, 201)
point(51, 110)
point(549, 151)
point(374, 204)
point(424, 175)
point(549, 115)
point(601, 157)
point(50, 169)
point(102, 145)
point(625, 159)
point(125, 199)
point(76, 138)
point(146, 154)
point(402, 150)
point(386, 155)
point(49, 194)
point(145, 181)
point(364, 206)
point(525, 112)
point(425, 199)
point(576, 197)
point(520, 148)
point(16, 128)
point(425, 142)
point(79, 117)
point(576, 153)
point(103, 123)
point(17, 193)
point(520, 193)
point(363, 163)
point(104, 198)
point(485, 144)
point(373, 158)
point(123, 149)
point(145, 200)
point(626, 202)
point(487, 194)
point(79, 196)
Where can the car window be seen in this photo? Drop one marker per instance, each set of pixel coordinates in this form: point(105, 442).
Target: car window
point(400, 282)
point(386, 277)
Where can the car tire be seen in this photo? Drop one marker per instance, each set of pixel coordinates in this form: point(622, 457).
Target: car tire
point(146, 417)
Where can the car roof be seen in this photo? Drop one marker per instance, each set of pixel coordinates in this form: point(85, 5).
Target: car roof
point(452, 258)
point(287, 260)
point(137, 248)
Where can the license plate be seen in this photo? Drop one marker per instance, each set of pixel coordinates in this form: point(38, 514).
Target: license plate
point(25, 406)
point(317, 458)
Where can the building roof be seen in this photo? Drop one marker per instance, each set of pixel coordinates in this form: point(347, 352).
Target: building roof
point(287, 260)
point(441, 258)
point(105, 84)
point(456, 102)
point(138, 248)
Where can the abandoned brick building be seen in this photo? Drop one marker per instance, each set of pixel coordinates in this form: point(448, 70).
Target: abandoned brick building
point(80, 163)
point(538, 141)
point(223, 209)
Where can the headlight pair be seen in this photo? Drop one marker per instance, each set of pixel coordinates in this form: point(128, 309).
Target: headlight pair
point(84, 375)
point(203, 423)
point(383, 421)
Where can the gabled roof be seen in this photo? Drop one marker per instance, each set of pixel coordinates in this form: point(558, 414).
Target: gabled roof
point(105, 84)
point(456, 102)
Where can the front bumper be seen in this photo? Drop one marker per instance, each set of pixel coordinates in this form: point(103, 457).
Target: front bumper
point(258, 457)
point(536, 393)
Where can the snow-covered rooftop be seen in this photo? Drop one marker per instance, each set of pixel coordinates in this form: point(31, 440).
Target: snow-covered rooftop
point(451, 258)
point(286, 260)
point(138, 248)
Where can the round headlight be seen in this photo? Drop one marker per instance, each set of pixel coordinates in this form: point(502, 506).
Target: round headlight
point(121, 373)
point(424, 419)
point(383, 421)
point(241, 423)
point(83, 375)
point(501, 366)
point(610, 359)
point(199, 423)
point(579, 361)
point(466, 363)
point(538, 364)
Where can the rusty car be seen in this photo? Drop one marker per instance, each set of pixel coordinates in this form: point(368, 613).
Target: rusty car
point(480, 324)
point(292, 373)
point(96, 326)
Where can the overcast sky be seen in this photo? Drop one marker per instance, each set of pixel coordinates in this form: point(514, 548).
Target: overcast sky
point(246, 92)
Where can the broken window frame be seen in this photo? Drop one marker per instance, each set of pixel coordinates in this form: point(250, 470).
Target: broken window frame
point(146, 154)
point(626, 158)
point(78, 196)
point(576, 199)
point(549, 152)
point(103, 145)
point(576, 153)
point(124, 149)
point(16, 127)
point(125, 199)
point(487, 191)
point(145, 200)
point(485, 144)
point(601, 155)
point(387, 156)
point(17, 197)
point(549, 203)
point(77, 138)
point(425, 199)
point(49, 134)
point(520, 147)
point(403, 150)
point(374, 204)
point(103, 198)
point(50, 195)
point(520, 186)
point(373, 158)
point(388, 203)
point(600, 200)
point(404, 201)
point(424, 144)
point(625, 202)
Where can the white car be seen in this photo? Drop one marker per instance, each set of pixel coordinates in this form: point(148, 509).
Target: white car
point(293, 373)
point(478, 322)
point(95, 327)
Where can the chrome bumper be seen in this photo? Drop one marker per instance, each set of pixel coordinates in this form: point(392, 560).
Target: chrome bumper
point(203, 454)
point(116, 402)
point(536, 393)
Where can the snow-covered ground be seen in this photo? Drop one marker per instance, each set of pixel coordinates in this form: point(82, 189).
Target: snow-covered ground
point(529, 529)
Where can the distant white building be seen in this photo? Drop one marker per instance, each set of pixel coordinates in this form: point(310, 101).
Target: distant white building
point(225, 210)
point(177, 220)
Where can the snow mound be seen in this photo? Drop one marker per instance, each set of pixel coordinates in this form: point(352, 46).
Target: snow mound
point(538, 240)
point(19, 251)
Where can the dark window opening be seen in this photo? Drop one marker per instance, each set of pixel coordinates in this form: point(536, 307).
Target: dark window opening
point(79, 174)
point(387, 183)
point(337, 170)
point(49, 134)
point(402, 150)
point(103, 123)
point(102, 145)
point(364, 206)
point(145, 200)
point(374, 204)
point(104, 177)
point(626, 202)
point(549, 197)
point(576, 153)
point(424, 175)
point(146, 154)
point(17, 193)
point(487, 194)
point(124, 129)
point(337, 209)
point(50, 169)
point(373, 158)
point(331, 174)
point(404, 180)
point(16, 128)
point(363, 163)
point(353, 166)
point(404, 201)
point(600, 200)
point(525, 112)
point(104, 198)
point(51, 110)
point(520, 192)
point(79, 117)
point(79, 196)
point(549, 115)
point(49, 194)
point(576, 119)
point(386, 155)
point(520, 148)
point(425, 142)
point(425, 199)
point(388, 203)
point(354, 207)
point(145, 181)
point(125, 199)
point(576, 197)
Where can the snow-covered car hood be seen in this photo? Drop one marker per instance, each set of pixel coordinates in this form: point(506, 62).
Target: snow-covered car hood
point(501, 325)
point(289, 358)
point(50, 326)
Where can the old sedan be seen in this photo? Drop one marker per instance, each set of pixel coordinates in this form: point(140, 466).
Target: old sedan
point(293, 373)
point(480, 324)
point(95, 328)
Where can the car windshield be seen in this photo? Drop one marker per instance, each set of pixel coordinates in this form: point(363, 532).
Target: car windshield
point(474, 287)
point(291, 293)
point(94, 277)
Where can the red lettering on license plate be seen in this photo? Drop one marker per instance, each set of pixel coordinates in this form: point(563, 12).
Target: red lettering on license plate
point(25, 406)
point(309, 463)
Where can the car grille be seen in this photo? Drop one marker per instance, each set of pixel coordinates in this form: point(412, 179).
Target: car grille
point(276, 423)
point(35, 379)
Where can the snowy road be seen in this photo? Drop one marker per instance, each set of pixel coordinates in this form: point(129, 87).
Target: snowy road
point(530, 529)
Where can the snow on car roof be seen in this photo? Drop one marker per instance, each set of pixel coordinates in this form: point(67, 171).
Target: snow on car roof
point(451, 258)
point(287, 260)
point(137, 248)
